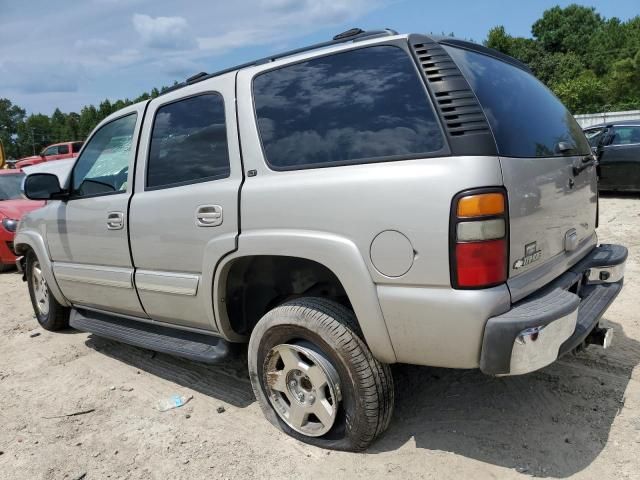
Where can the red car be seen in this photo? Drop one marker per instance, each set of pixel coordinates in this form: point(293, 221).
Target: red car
point(12, 207)
point(57, 151)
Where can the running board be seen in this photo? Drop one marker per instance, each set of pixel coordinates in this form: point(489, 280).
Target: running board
point(194, 346)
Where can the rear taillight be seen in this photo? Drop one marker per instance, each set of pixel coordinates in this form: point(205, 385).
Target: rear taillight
point(479, 239)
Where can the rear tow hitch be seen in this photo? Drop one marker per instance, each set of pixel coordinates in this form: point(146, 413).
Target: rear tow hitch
point(600, 336)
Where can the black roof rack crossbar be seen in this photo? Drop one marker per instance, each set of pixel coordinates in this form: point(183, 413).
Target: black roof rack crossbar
point(352, 35)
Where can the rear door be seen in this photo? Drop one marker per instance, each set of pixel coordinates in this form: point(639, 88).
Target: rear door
point(552, 205)
point(184, 214)
point(620, 159)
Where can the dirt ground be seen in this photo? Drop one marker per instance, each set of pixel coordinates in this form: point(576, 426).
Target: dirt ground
point(577, 418)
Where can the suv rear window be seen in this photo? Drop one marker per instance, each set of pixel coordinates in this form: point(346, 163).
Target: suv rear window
point(359, 106)
point(527, 120)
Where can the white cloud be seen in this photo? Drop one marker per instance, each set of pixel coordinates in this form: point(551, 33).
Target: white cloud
point(164, 32)
point(93, 44)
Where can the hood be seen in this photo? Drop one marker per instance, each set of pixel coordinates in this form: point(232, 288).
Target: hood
point(32, 157)
point(15, 209)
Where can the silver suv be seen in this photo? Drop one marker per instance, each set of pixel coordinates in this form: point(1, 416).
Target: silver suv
point(375, 199)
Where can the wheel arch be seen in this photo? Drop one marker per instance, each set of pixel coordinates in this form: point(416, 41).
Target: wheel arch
point(26, 241)
point(337, 254)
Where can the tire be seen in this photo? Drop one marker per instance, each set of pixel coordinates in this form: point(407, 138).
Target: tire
point(327, 335)
point(55, 316)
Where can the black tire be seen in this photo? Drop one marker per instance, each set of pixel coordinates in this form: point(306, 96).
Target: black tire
point(57, 316)
point(331, 330)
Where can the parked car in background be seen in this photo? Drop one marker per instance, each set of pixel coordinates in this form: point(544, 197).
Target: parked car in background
point(12, 207)
point(617, 146)
point(58, 151)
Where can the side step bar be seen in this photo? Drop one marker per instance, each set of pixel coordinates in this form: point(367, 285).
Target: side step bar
point(194, 346)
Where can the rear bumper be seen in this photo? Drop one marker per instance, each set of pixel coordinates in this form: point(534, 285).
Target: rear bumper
point(555, 320)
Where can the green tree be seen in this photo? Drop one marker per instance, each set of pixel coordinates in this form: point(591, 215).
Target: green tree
point(11, 117)
point(567, 29)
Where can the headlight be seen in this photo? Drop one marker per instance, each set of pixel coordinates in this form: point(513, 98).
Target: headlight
point(9, 224)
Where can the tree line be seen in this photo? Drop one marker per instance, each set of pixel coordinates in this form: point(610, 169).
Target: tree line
point(591, 63)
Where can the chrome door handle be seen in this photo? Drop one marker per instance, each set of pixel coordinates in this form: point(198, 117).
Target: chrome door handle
point(209, 215)
point(115, 220)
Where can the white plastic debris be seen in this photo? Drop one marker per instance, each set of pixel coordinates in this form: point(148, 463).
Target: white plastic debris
point(175, 401)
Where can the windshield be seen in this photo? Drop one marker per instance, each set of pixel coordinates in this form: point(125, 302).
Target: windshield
point(527, 120)
point(10, 186)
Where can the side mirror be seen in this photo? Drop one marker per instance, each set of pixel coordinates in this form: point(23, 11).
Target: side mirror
point(42, 186)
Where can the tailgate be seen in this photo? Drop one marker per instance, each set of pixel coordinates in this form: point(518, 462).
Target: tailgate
point(547, 169)
point(552, 214)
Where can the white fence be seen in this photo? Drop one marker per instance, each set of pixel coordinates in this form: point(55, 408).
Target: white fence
point(588, 119)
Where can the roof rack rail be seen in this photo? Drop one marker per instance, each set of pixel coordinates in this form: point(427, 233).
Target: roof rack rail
point(351, 35)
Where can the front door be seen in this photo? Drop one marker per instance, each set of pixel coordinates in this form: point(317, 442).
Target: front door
point(184, 213)
point(620, 160)
point(88, 238)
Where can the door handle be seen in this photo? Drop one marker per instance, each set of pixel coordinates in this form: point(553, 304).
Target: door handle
point(209, 215)
point(115, 220)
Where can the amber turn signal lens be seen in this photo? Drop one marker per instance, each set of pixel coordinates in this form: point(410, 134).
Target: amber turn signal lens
point(481, 205)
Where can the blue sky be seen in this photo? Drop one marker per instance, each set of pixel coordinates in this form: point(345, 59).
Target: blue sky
point(69, 53)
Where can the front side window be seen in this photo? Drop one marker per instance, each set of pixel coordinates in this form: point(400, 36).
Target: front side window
point(50, 151)
point(188, 143)
point(103, 166)
point(626, 135)
point(527, 120)
point(353, 107)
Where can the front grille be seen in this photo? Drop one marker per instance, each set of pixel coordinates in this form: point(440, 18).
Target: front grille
point(455, 101)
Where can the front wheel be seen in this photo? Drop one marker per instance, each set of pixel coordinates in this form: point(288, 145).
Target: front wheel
point(315, 378)
point(50, 314)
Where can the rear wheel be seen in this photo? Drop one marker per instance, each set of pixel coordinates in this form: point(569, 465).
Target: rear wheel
point(315, 378)
point(50, 314)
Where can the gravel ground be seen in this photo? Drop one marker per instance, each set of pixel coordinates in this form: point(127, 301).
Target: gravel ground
point(577, 418)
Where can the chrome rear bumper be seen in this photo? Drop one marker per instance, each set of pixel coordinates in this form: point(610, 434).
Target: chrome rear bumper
point(558, 318)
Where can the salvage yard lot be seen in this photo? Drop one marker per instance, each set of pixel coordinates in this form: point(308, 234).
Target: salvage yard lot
point(579, 417)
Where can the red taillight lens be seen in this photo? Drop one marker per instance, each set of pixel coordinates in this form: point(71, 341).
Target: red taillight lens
point(481, 263)
point(479, 238)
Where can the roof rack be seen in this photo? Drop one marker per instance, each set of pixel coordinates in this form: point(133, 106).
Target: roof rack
point(352, 35)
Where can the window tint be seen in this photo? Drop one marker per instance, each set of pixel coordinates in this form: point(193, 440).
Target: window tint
point(50, 151)
point(355, 106)
point(76, 147)
point(625, 135)
point(188, 142)
point(104, 163)
point(526, 118)
point(63, 149)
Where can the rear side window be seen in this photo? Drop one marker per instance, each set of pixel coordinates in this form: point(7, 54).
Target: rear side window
point(527, 120)
point(63, 149)
point(188, 143)
point(358, 106)
point(76, 146)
